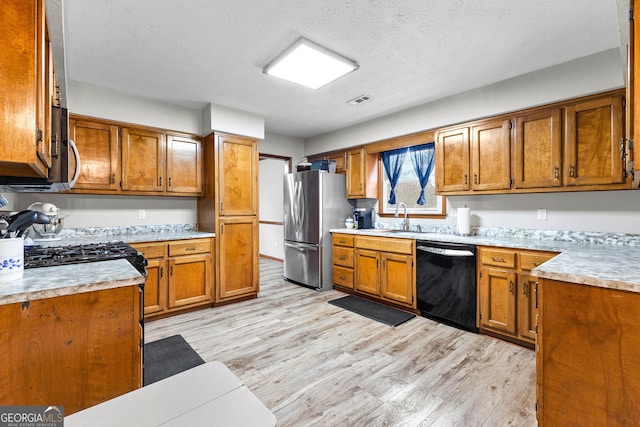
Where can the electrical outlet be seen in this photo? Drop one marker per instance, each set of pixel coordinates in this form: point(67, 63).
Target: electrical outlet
point(142, 214)
point(277, 244)
point(542, 214)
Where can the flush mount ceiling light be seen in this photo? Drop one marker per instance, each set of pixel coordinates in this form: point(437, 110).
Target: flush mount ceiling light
point(309, 64)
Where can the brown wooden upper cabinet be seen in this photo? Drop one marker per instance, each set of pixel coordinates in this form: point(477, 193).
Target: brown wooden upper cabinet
point(25, 74)
point(474, 157)
point(593, 135)
point(570, 146)
point(182, 154)
point(238, 180)
point(135, 160)
point(538, 149)
point(362, 174)
point(99, 154)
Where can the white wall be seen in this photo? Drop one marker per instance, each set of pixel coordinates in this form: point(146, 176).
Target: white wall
point(591, 74)
point(283, 145)
point(225, 119)
point(94, 101)
point(271, 204)
point(595, 211)
point(111, 211)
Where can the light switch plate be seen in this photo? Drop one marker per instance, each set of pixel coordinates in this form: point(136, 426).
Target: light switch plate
point(142, 214)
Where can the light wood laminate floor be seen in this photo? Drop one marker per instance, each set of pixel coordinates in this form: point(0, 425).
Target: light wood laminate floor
point(314, 364)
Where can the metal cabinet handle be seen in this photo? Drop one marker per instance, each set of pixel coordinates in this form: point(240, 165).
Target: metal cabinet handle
point(171, 271)
point(160, 181)
point(525, 289)
point(475, 178)
point(572, 171)
point(169, 181)
point(466, 179)
point(510, 286)
point(161, 272)
point(495, 259)
point(113, 178)
point(556, 172)
point(342, 258)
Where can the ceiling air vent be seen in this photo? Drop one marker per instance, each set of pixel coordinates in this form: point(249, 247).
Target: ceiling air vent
point(359, 100)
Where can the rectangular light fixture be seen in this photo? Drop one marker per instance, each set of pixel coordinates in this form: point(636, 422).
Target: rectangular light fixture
point(309, 64)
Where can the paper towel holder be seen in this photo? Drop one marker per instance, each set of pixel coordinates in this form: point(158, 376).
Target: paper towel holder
point(463, 224)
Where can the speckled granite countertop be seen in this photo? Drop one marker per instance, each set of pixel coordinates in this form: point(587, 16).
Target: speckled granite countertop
point(615, 266)
point(49, 282)
point(127, 234)
point(127, 238)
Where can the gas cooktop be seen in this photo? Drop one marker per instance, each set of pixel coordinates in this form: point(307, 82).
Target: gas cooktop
point(47, 256)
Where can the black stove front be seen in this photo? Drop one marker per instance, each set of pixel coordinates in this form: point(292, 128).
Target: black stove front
point(47, 256)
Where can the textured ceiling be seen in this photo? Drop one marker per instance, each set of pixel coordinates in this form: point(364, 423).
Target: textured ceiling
point(410, 52)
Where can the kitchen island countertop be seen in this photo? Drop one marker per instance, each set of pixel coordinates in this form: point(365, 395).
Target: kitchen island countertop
point(50, 282)
point(601, 265)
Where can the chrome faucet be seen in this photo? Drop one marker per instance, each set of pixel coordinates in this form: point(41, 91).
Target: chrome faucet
point(405, 221)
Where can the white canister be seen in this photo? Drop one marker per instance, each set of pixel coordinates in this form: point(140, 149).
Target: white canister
point(11, 259)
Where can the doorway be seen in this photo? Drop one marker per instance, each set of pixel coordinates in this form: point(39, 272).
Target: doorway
point(272, 169)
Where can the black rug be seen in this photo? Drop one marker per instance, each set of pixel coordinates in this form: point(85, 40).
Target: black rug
point(167, 357)
point(373, 310)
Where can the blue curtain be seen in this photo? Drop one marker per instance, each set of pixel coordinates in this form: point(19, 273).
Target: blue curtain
point(392, 161)
point(422, 157)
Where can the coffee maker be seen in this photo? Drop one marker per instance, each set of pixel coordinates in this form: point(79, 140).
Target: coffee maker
point(363, 217)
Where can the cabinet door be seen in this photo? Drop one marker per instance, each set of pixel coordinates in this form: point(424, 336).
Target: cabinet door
point(592, 142)
point(538, 149)
point(22, 76)
point(184, 165)
point(99, 154)
point(498, 300)
point(189, 280)
point(367, 272)
point(491, 155)
point(143, 159)
point(355, 174)
point(341, 162)
point(397, 278)
point(238, 257)
point(452, 160)
point(155, 287)
point(238, 176)
point(527, 310)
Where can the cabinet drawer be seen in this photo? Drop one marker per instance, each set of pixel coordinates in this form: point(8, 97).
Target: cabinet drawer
point(530, 260)
point(150, 251)
point(499, 258)
point(190, 247)
point(386, 244)
point(343, 240)
point(342, 256)
point(343, 276)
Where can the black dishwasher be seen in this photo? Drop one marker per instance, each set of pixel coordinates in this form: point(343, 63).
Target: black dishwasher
point(446, 283)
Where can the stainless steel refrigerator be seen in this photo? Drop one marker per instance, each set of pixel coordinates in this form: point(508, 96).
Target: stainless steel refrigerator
point(314, 202)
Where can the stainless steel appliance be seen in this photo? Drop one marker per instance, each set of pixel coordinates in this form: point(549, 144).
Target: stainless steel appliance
point(314, 202)
point(446, 283)
point(363, 217)
point(61, 176)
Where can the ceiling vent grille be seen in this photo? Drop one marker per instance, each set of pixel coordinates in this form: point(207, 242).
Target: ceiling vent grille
point(359, 100)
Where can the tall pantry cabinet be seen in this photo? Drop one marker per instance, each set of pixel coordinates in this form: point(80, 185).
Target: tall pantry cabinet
point(229, 208)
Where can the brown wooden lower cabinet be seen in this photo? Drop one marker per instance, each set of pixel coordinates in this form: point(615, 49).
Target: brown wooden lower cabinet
point(239, 274)
point(379, 267)
point(75, 351)
point(587, 355)
point(179, 275)
point(506, 292)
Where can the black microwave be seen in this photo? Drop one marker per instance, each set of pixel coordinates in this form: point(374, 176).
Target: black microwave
point(60, 176)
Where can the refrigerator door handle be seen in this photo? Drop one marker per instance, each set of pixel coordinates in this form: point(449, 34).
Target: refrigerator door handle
point(301, 246)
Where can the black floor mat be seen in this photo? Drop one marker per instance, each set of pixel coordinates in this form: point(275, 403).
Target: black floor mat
point(167, 357)
point(373, 310)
